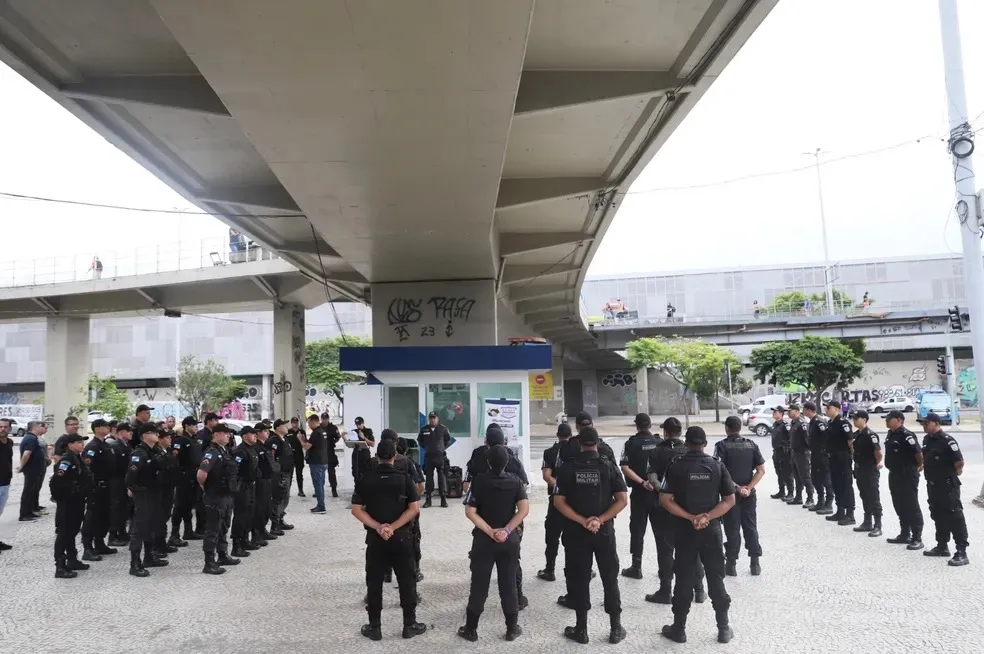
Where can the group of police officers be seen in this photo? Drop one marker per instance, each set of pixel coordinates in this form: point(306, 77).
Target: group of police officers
point(827, 456)
point(133, 479)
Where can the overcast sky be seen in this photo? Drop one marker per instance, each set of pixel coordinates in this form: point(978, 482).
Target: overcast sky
point(847, 76)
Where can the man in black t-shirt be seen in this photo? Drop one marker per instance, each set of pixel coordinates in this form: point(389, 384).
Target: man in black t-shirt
point(332, 435)
point(316, 446)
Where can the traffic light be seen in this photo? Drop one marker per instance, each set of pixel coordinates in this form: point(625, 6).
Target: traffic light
point(941, 364)
point(956, 320)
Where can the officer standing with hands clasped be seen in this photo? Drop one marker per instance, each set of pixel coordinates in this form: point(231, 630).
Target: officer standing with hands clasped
point(782, 456)
point(638, 457)
point(799, 443)
point(100, 459)
point(553, 525)
point(386, 501)
point(699, 490)
point(746, 466)
point(189, 453)
point(904, 460)
point(867, 463)
point(269, 470)
point(143, 486)
point(434, 440)
point(247, 460)
point(819, 460)
point(283, 454)
point(590, 493)
point(69, 485)
point(944, 465)
point(218, 480)
point(840, 446)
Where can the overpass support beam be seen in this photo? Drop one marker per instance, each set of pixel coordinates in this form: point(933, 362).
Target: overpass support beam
point(67, 365)
point(289, 373)
point(642, 390)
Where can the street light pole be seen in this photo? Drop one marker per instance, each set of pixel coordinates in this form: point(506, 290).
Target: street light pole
point(828, 286)
point(961, 146)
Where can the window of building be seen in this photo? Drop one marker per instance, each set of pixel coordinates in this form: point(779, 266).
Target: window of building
point(403, 410)
point(452, 402)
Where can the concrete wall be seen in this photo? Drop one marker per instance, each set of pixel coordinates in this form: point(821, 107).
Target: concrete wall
point(617, 393)
point(434, 313)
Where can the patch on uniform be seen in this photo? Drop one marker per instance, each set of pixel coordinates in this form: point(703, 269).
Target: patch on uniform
point(135, 458)
point(954, 446)
point(87, 461)
point(911, 440)
point(209, 455)
point(134, 468)
point(874, 438)
point(239, 459)
point(822, 426)
point(700, 476)
point(587, 477)
point(175, 452)
point(177, 446)
point(60, 473)
point(648, 446)
point(90, 453)
point(63, 466)
point(846, 427)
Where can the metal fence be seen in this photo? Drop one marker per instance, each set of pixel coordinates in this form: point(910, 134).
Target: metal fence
point(139, 260)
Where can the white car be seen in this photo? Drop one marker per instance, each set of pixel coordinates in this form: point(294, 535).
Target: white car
point(767, 401)
point(904, 404)
point(760, 421)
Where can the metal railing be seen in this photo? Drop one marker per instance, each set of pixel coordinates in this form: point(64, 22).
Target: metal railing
point(139, 260)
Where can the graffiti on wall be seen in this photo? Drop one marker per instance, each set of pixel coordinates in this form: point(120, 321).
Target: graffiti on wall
point(430, 319)
point(618, 379)
point(967, 387)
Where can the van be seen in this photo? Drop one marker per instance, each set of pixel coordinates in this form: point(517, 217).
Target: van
point(767, 401)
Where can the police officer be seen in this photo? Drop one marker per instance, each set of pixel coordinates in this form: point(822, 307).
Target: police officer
point(819, 460)
point(553, 526)
point(204, 438)
point(638, 457)
point(434, 440)
point(284, 456)
point(386, 501)
point(119, 501)
point(99, 458)
point(572, 451)
point(944, 465)
point(782, 456)
point(170, 472)
point(497, 505)
point(746, 466)
point(417, 475)
point(188, 451)
point(269, 470)
point(799, 443)
point(332, 434)
point(590, 493)
point(361, 454)
point(867, 463)
point(218, 480)
point(840, 445)
point(144, 487)
point(247, 459)
point(904, 460)
point(293, 438)
point(69, 485)
point(698, 490)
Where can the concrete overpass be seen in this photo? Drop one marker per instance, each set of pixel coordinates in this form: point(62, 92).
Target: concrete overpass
point(447, 160)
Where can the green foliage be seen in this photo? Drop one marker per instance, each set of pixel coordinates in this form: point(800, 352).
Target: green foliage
point(814, 362)
point(698, 366)
point(790, 302)
point(793, 302)
point(322, 361)
point(203, 386)
point(104, 397)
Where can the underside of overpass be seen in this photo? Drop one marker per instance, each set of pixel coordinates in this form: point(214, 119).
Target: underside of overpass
point(372, 141)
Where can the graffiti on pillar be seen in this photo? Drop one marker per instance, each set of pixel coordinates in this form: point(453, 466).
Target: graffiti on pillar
point(618, 379)
point(410, 316)
point(297, 341)
point(282, 387)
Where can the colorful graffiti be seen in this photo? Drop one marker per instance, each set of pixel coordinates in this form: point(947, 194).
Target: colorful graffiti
point(967, 387)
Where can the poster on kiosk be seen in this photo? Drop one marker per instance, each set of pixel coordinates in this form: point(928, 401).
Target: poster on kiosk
point(505, 413)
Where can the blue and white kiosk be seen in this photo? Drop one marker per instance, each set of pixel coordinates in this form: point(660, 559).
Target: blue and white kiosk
point(468, 386)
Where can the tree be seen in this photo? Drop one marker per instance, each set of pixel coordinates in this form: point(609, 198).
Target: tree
point(322, 361)
point(699, 367)
point(203, 386)
point(816, 362)
point(104, 397)
point(795, 301)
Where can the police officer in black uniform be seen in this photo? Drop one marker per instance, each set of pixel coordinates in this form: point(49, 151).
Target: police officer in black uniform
point(143, 486)
point(218, 480)
point(553, 526)
point(99, 458)
point(799, 443)
point(840, 445)
point(284, 456)
point(638, 458)
point(746, 466)
point(434, 440)
point(497, 505)
point(188, 451)
point(698, 490)
point(944, 465)
point(361, 454)
point(332, 435)
point(867, 464)
point(819, 460)
point(247, 459)
point(269, 470)
point(782, 456)
point(385, 501)
point(119, 501)
point(69, 485)
point(170, 473)
point(204, 438)
point(590, 493)
point(904, 460)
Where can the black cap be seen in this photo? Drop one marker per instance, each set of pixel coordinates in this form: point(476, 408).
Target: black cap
point(563, 430)
point(99, 422)
point(148, 428)
point(859, 413)
point(432, 414)
point(642, 421)
point(124, 426)
point(279, 422)
point(211, 416)
point(220, 428)
point(732, 423)
point(930, 417)
point(261, 426)
point(696, 435)
point(142, 408)
point(386, 449)
point(388, 435)
point(494, 435)
point(895, 414)
point(246, 430)
point(809, 405)
point(833, 403)
point(671, 424)
point(583, 419)
point(74, 438)
point(780, 409)
point(359, 420)
point(189, 420)
point(792, 406)
point(588, 436)
point(294, 419)
point(326, 416)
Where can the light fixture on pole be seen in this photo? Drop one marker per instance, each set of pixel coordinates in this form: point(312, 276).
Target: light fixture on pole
point(828, 285)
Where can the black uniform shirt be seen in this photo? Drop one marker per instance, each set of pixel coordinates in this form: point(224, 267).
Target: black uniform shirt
point(221, 470)
point(818, 435)
point(142, 474)
point(866, 443)
point(668, 450)
point(294, 441)
point(6, 461)
point(318, 452)
point(740, 456)
point(901, 448)
point(99, 457)
point(434, 440)
point(639, 454)
point(122, 451)
point(268, 466)
point(204, 437)
point(478, 464)
point(495, 497)
point(697, 482)
point(385, 493)
point(282, 453)
point(940, 451)
point(247, 459)
point(71, 480)
point(798, 435)
point(839, 434)
point(188, 451)
point(589, 484)
point(780, 435)
point(416, 474)
point(167, 463)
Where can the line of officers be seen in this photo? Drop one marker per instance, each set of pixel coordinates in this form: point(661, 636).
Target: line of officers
point(130, 485)
point(827, 456)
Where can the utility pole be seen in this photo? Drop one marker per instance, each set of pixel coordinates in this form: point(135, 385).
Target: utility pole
point(828, 285)
point(961, 146)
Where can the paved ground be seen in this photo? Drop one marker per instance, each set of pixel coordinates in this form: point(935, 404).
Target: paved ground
point(824, 589)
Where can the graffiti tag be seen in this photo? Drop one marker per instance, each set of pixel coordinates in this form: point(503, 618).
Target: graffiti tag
point(618, 379)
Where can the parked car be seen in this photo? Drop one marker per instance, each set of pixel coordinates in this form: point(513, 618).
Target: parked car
point(760, 421)
point(767, 401)
point(939, 402)
point(18, 426)
point(904, 404)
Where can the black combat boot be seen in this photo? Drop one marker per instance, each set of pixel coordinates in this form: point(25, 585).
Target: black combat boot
point(62, 571)
point(175, 539)
point(902, 539)
point(513, 630)
point(959, 559)
point(635, 570)
point(74, 564)
point(267, 535)
point(731, 568)
point(940, 550)
point(835, 517)
point(238, 549)
point(191, 534)
point(617, 632)
point(781, 495)
point(101, 547)
point(411, 627)
point(809, 502)
point(469, 631)
point(827, 508)
point(136, 566)
point(818, 506)
point(789, 497)
point(848, 519)
point(865, 525)
point(258, 539)
point(724, 630)
point(151, 558)
point(915, 543)
point(89, 553)
point(444, 502)
point(579, 632)
point(677, 632)
point(700, 595)
point(755, 568)
point(372, 630)
point(661, 596)
point(427, 502)
point(876, 529)
point(211, 567)
point(796, 500)
point(224, 559)
point(276, 530)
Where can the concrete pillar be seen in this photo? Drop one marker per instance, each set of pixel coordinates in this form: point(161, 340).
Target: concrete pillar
point(642, 390)
point(67, 365)
point(266, 399)
point(434, 313)
point(289, 374)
